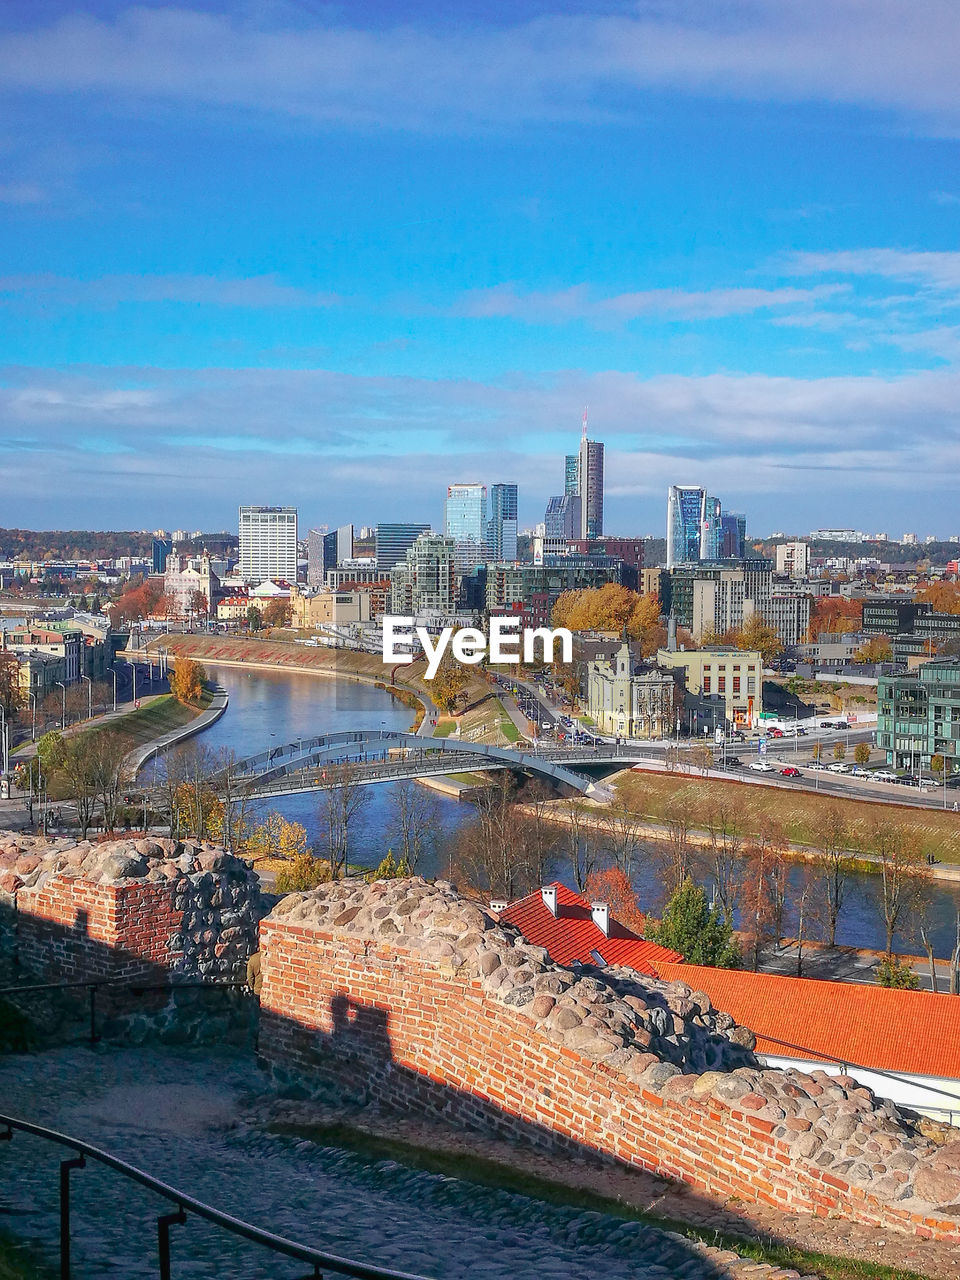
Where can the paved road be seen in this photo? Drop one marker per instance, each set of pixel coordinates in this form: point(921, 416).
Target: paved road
point(180, 1115)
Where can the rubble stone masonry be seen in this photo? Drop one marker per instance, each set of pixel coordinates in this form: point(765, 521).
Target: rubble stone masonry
point(406, 995)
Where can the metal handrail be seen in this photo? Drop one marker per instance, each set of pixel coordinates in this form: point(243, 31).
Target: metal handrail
point(185, 1204)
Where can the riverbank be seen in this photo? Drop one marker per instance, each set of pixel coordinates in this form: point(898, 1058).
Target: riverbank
point(216, 705)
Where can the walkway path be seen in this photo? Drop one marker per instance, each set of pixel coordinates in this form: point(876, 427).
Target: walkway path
point(181, 1116)
point(218, 705)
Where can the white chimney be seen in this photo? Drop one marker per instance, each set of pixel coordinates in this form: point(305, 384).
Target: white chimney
point(549, 895)
point(601, 917)
point(498, 904)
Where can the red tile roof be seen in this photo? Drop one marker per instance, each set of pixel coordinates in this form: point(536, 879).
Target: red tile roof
point(572, 935)
point(915, 1032)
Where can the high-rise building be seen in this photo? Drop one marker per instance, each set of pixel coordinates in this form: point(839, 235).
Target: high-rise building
point(268, 543)
point(711, 528)
point(571, 473)
point(733, 540)
point(590, 487)
point(465, 521)
point(424, 581)
point(793, 559)
point(162, 547)
point(393, 541)
point(685, 512)
point(502, 524)
point(325, 550)
point(561, 519)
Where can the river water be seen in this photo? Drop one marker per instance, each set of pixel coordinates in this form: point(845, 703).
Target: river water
point(268, 708)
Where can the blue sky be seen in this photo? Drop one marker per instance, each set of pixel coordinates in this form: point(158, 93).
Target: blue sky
point(341, 255)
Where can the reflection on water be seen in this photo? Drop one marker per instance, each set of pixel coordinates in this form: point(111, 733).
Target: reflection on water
point(268, 708)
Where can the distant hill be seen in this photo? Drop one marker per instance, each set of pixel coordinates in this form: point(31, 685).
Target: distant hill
point(72, 544)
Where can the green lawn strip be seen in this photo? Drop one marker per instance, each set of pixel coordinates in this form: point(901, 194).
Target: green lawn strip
point(471, 779)
point(151, 722)
point(445, 728)
point(485, 1172)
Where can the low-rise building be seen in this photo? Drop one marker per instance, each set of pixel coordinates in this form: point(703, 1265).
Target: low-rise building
point(630, 698)
point(62, 642)
point(311, 609)
point(918, 715)
point(735, 676)
point(233, 608)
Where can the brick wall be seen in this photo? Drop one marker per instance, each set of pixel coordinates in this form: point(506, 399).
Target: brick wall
point(382, 1022)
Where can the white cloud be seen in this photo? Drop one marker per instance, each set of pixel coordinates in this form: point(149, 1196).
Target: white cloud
point(936, 270)
point(898, 54)
point(250, 291)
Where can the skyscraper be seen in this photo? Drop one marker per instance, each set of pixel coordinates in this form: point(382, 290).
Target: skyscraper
point(590, 486)
point(268, 543)
point(685, 514)
point(502, 525)
point(465, 521)
point(561, 519)
point(571, 473)
point(393, 541)
point(711, 529)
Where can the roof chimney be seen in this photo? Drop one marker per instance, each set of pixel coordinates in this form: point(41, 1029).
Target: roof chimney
point(672, 634)
point(601, 917)
point(549, 895)
point(498, 904)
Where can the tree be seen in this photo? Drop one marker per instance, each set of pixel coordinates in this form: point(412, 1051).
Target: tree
point(415, 822)
point(839, 751)
point(817, 751)
point(489, 857)
point(75, 763)
point(187, 679)
point(806, 904)
point(538, 835)
point(109, 756)
point(623, 834)
point(583, 847)
point(876, 649)
point(614, 888)
point(278, 612)
point(276, 837)
point(644, 623)
point(763, 884)
point(702, 934)
point(342, 802)
point(943, 596)
point(834, 866)
point(759, 636)
point(894, 972)
point(301, 873)
point(11, 693)
point(254, 618)
point(903, 873)
point(677, 818)
point(606, 608)
point(937, 764)
point(834, 614)
point(198, 603)
point(448, 683)
point(701, 757)
point(723, 819)
point(861, 753)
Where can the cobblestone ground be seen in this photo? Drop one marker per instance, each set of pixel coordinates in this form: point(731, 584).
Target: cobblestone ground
point(179, 1115)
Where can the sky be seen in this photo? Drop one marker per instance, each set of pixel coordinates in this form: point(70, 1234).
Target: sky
point(342, 255)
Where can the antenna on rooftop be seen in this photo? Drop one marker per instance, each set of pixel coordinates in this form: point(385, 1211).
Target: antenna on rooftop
point(584, 422)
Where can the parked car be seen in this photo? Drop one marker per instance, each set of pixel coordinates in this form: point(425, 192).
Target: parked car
point(884, 775)
point(839, 767)
point(760, 766)
point(790, 772)
point(801, 732)
point(817, 765)
point(858, 771)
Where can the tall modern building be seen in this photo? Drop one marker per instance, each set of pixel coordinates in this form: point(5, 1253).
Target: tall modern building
point(162, 547)
point(268, 543)
point(327, 550)
point(561, 520)
point(502, 524)
point(711, 529)
point(733, 541)
point(393, 542)
point(685, 513)
point(590, 487)
point(424, 581)
point(465, 521)
point(571, 473)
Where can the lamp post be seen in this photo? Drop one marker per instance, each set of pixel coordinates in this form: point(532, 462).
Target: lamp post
point(4, 755)
point(114, 674)
point(33, 722)
point(89, 696)
point(63, 703)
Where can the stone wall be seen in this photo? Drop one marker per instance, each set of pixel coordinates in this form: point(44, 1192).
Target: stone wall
point(404, 994)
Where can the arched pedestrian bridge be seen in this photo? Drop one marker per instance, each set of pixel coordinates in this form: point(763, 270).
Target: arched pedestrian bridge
point(379, 755)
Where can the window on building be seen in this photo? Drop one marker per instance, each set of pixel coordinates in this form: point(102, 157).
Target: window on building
point(722, 684)
point(736, 683)
point(706, 684)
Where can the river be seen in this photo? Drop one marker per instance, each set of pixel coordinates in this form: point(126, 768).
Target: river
point(268, 708)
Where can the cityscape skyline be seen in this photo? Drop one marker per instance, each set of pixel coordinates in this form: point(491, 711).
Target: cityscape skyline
point(743, 262)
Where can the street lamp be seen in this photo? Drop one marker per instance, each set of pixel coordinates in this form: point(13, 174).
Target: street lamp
point(114, 674)
point(3, 736)
point(63, 703)
point(33, 723)
point(89, 696)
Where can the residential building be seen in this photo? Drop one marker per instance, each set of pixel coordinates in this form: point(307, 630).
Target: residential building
point(792, 559)
point(392, 543)
point(630, 698)
point(710, 599)
point(918, 715)
point(685, 511)
point(425, 581)
point(722, 685)
point(574, 931)
point(268, 543)
point(233, 608)
point(902, 1045)
point(502, 522)
point(63, 644)
point(465, 521)
point(590, 487)
point(789, 614)
point(511, 586)
point(650, 581)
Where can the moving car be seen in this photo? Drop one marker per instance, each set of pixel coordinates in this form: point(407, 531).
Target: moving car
point(760, 766)
point(839, 767)
point(884, 775)
point(790, 772)
point(817, 765)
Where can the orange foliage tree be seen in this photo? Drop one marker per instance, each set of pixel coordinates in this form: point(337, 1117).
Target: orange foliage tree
point(943, 596)
point(832, 614)
point(613, 887)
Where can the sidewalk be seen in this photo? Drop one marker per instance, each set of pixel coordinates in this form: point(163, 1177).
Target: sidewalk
point(27, 750)
point(218, 705)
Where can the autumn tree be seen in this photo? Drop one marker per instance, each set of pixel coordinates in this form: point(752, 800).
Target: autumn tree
point(187, 679)
point(762, 888)
point(276, 837)
point(757, 635)
point(832, 615)
point(833, 862)
point(109, 771)
point(614, 888)
point(839, 751)
point(943, 597)
point(278, 612)
point(415, 823)
point(198, 603)
point(254, 618)
point(644, 623)
point(75, 764)
point(861, 753)
point(903, 873)
point(606, 608)
point(448, 683)
point(876, 649)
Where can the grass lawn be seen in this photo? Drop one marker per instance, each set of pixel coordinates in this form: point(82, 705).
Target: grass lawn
point(485, 1172)
point(444, 728)
point(160, 717)
point(799, 813)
